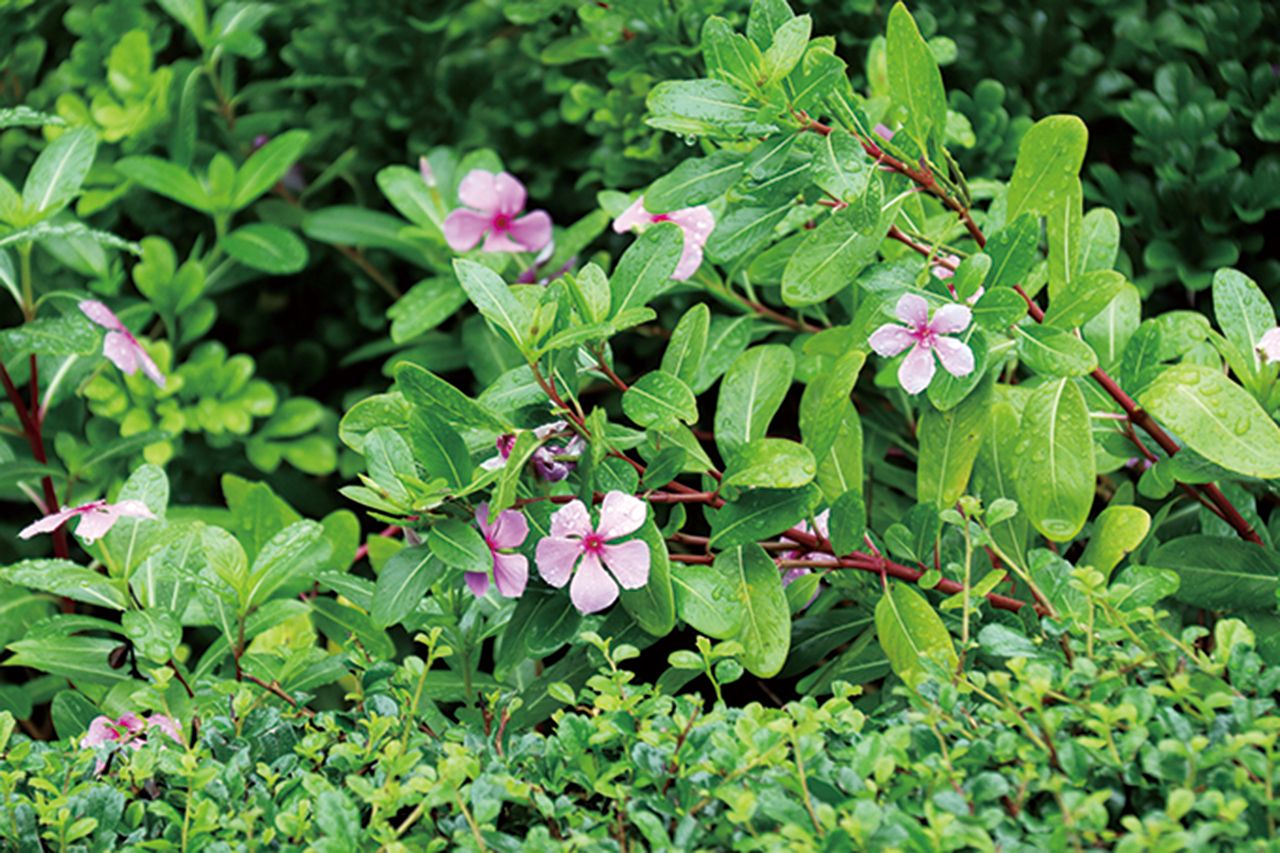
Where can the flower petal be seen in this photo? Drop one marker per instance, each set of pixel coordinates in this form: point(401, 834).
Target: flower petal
point(891, 339)
point(101, 314)
point(498, 241)
point(166, 725)
point(148, 366)
point(690, 260)
point(572, 519)
point(482, 520)
point(592, 588)
point(555, 558)
point(955, 356)
point(532, 231)
point(696, 222)
point(511, 574)
point(629, 562)
point(477, 582)
point(49, 523)
point(479, 191)
point(913, 310)
point(547, 430)
point(950, 319)
point(101, 730)
point(121, 351)
point(916, 370)
point(633, 217)
point(1269, 345)
point(464, 228)
point(511, 193)
point(621, 514)
point(131, 508)
point(510, 530)
point(94, 525)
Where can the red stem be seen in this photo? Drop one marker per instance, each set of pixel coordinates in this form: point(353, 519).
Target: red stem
point(30, 419)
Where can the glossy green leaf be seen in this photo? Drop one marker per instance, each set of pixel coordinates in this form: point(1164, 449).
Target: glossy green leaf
point(493, 297)
point(914, 79)
point(1243, 312)
point(167, 179)
point(771, 463)
point(659, 400)
point(460, 545)
point(759, 514)
point(1117, 531)
point(645, 269)
point(750, 395)
point(266, 247)
point(403, 582)
point(1055, 471)
point(1048, 165)
point(1220, 573)
point(698, 108)
point(829, 258)
point(1054, 352)
point(949, 444)
point(266, 166)
point(684, 351)
point(695, 181)
point(910, 632)
point(653, 605)
point(765, 633)
point(58, 173)
point(1089, 295)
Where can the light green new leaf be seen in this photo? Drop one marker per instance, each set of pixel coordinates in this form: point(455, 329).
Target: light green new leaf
point(688, 342)
point(771, 463)
point(1055, 470)
point(1054, 352)
point(830, 258)
point(489, 293)
point(1216, 418)
point(1117, 531)
point(59, 171)
point(166, 179)
point(910, 631)
point(1243, 312)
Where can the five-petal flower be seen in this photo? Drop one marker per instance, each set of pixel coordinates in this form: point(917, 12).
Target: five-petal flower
point(510, 571)
point(119, 345)
point(575, 543)
point(924, 337)
point(96, 518)
point(697, 223)
point(493, 204)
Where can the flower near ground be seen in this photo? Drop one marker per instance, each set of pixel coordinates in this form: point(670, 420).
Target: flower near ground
point(127, 729)
point(120, 346)
point(493, 204)
point(96, 519)
point(510, 571)
point(925, 336)
point(551, 462)
point(1269, 345)
point(574, 543)
point(697, 223)
point(820, 528)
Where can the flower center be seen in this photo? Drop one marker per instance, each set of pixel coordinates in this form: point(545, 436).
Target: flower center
point(501, 222)
point(592, 543)
point(662, 217)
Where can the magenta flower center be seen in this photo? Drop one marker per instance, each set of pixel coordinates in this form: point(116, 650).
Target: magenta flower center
point(592, 543)
point(501, 222)
point(662, 217)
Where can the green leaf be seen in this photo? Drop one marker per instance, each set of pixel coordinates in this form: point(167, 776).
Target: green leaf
point(266, 166)
point(439, 449)
point(1054, 352)
point(840, 469)
point(765, 633)
point(389, 458)
point(847, 522)
point(424, 306)
point(759, 514)
point(411, 196)
point(771, 463)
point(829, 258)
point(1216, 418)
point(59, 171)
point(645, 269)
point(489, 293)
point(684, 351)
point(949, 445)
point(1013, 250)
point(1220, 573)
point(338, 621)
point(910, 631)
point(1088, 295)
point(50, 336)
point(155, 633)
point(695, 181)
point(403, 582)
point(750, 395)
point(1055, 470)
point(705, 597)
point(65, 578)
point(786, 48)
point(1109, 331)
point(653, 605)
point(822, 405)
point(698, 108)
point(659, 400)
point(267, 247)
point(294, 553)
point(75, 658)
point(1243, 312)
point(1117, 531)
point(914, 79)
point(1048, 165)
point(423, 388)
point(841, 167)
point(166, 179)
point(743, 228)
point(460, 545)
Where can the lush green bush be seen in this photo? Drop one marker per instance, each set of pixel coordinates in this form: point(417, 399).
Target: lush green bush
point(676, 357)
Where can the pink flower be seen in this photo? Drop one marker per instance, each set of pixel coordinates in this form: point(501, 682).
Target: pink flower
point(925, 337)
point(494, 202)
point(120, 346)
point(574, 543)
point(820, 529)
point(510, 571)
point(883, 132)
point(96, 518)
point(697, 223)
point(428, 174)
point(1269, 345)
point(551, 462)
point(127, 729)
point(944, 267)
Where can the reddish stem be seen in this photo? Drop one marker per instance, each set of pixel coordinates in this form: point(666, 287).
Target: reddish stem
point(30, 419)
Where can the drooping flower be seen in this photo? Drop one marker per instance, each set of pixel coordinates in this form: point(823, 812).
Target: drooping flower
point(820, 529)
point(883, 131)
point(510, 571)
point(924, 337)
point(96, 518)
point(551, 462)
point(119, 345)
point(697, 223)
point(1269, 345)
point(575, 543)
point(129, 730)
point(428, 174)
point(493, 207)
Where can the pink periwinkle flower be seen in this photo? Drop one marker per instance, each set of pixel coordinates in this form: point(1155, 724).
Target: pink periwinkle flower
point(493, 207)
point(575, 543)
point(127, 729)
point(820, 529)
point(119, 345)
point(697, 223)
point(551, 462)
point(1269, 345)
point(96, 518)
point(510, 571)
point(924, 337)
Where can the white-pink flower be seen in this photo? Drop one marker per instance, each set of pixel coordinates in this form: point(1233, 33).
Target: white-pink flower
point(697, 223)
point(96, 518)
point(510, 571)
point(119, 345)
point(821, 529)
point(1269, 345)
point(127, 729)
point(493, 207)
point(575, 543)
point(925, 337)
